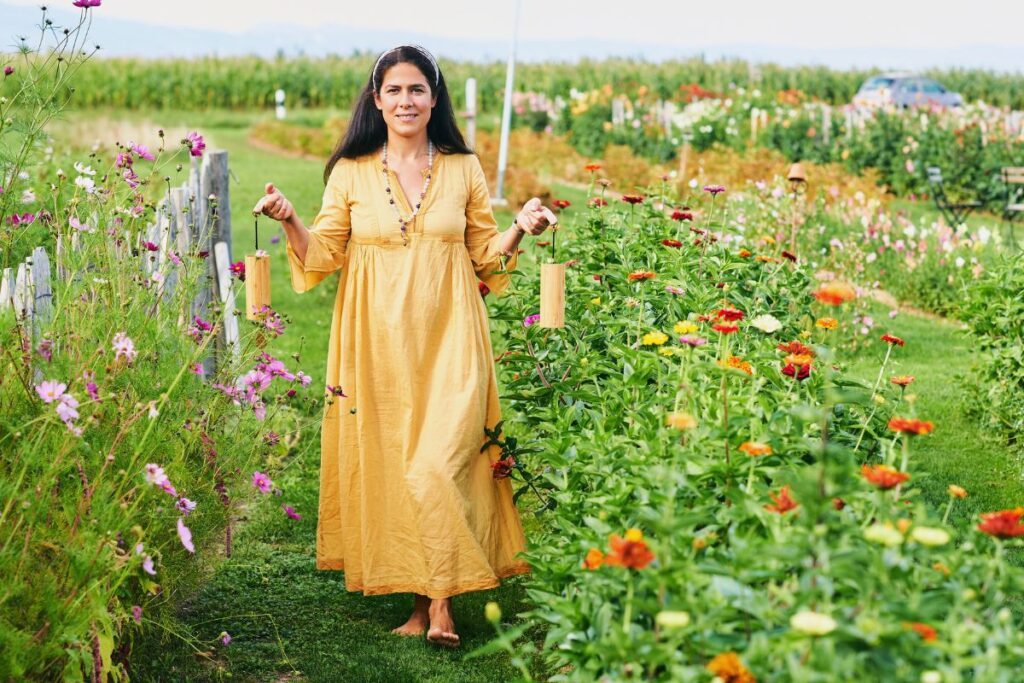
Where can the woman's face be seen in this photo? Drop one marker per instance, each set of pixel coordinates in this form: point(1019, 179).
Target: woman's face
point(405, 100)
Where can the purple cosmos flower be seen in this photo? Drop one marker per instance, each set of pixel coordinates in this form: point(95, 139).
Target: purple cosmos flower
point(51, 390)
point(238, 270)
point(186, 536)
point(45, 349)
point(147, 565)
point(198, 369)
point(261, 481)
point(225, 638)
point(124, 160)
point(290, 511)
point(531, 320)
point(692, 340)
point(137, 614)
point(23, 219)
point(173, 257)
point(714, 189)
point(93, 390)
point(185, 505)
point(142, 151)
point(86, 4)
point(303, 378)
point(195, 143)
point(123, 347)
point(155, 474)
point(130, 178)
point(276, 369)
point(168, 488)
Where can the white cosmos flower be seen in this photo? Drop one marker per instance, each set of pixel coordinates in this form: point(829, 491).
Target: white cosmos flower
point(83, 169)
point(86, 184)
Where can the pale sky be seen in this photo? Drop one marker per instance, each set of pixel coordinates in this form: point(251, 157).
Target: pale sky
point(801, 23)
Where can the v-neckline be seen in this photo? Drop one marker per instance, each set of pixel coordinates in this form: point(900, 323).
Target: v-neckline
point(398, 190)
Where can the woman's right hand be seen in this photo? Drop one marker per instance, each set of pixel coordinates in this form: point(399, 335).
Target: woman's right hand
point(274, 205)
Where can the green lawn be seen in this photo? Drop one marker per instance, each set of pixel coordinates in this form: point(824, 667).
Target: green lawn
point(285, 616)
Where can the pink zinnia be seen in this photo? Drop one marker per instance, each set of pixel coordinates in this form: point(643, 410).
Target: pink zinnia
point(195, 143)
point(261, 481)
point(714, 189)
point(186, 536)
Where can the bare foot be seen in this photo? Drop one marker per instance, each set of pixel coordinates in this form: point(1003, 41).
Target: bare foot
point(417, 624)
point(442, 625)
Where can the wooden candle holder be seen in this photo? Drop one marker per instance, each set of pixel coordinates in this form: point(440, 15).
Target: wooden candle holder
point(257, 283)
point(552, 295)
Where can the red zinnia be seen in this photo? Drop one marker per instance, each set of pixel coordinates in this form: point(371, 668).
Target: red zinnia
point(1002, 524)
point(675, 244)
point(798, 371)
point(892, 339)
point(789, 256)
point(598, 201)
point(795, 347)
point(883, 476)
point(678, 215)
point(630, 552)
point(561, 203)
point(592, 167)
point(632, 198)
point(724, 328)
point(911, 425)
point(503, 468)
point(782, 502)
point(927, 633)
point(730, 314)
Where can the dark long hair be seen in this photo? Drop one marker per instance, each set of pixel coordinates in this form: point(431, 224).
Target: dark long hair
point(367, 131)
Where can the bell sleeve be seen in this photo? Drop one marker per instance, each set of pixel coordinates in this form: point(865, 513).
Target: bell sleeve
point(328, 236)
point(482, 235)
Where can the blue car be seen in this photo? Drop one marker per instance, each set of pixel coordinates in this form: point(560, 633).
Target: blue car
point(905, 90)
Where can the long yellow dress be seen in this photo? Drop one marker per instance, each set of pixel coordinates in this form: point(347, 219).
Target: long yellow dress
point(408, 502)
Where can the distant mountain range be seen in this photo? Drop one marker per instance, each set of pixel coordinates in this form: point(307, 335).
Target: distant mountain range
point(130, 38)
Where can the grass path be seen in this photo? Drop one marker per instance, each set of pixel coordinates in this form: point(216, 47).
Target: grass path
point(291, 622)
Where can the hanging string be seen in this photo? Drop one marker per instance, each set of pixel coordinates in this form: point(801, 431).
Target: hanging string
point(256, 220)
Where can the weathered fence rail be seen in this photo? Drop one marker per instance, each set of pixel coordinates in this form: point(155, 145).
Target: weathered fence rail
point(193, 217)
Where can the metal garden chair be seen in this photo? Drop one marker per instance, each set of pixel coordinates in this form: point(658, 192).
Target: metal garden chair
point(1013, 182)
point(954, 213)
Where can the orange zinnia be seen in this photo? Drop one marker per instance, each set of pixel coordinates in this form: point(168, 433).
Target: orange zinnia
point(927, 633)
point(592, 167)
point(797, 348)
point(728, 667)
point(911, 425)
point(783, 503)
point(827, 323)
point(594, 559)
point(1002, 524)
point(835, 293)
point(640, 275)
point(753, 448)
point(957, 491)
point(725, 328)
point(883, 476)
point(902, 380)
point(737, 363)
point(630, 552)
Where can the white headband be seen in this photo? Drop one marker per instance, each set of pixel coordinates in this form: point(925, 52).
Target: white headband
point(423, 51)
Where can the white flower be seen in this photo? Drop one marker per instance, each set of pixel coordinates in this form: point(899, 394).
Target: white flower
point(672, 619)
point(766, 323)
point(960, 262)
point(984, 235)
point(83, 169)
point(812, 623)
point(927, 535)
point(931, 677)
point(86, 184)
point(153, 412)
point(883, 535)
point(154, 475)
point(28, 196)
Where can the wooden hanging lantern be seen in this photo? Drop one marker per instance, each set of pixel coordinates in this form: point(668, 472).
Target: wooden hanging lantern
point(257, 279)
point(552, 289)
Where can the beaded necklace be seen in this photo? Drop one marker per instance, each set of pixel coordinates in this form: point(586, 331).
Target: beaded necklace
point(403, 222)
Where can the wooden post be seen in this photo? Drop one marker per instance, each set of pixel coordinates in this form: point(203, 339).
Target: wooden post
point(471, 112)
point(826, 123)
point(552, 295)
point(216, 241)
point(6, 288)
point(21, 297)
point(684, 156)
point(42, 293)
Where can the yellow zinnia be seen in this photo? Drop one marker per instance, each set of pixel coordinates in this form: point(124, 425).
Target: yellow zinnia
point(655, 338)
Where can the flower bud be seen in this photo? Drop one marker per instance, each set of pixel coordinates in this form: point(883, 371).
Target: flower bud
point(492, 612)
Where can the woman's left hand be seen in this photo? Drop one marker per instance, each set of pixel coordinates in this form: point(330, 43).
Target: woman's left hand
point(535, 218)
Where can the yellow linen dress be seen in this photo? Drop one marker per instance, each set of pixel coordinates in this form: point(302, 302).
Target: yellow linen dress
point(408, 503)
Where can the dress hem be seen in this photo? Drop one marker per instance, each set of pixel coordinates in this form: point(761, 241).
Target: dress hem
point(447, 592)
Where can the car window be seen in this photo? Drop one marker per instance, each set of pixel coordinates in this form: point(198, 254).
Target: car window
point(931, 87)
point(876, 83)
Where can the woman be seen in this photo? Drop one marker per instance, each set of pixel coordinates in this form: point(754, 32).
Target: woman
point(408, 502)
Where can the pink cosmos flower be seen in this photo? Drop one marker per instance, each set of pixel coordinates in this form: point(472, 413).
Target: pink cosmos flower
point(137, 614)
point(303, 378)
point(531, 320)
point(142, 151)
point(66, 408)
point(86, 4)
point(155, 474)
point(51, 390)
point(238, 270)
point(186, 536)
point(79, 225)
point(147, 565)
point(168, 488)
point(124, 347)
point(195, 143)
point(185, 505)
point(672, 289)
point(23, 219)
point(225, 638)
point(198, 369)
point(290, 511)
point(94, 391)
point(45, 349)
point(261, 481)
point(8, 70)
